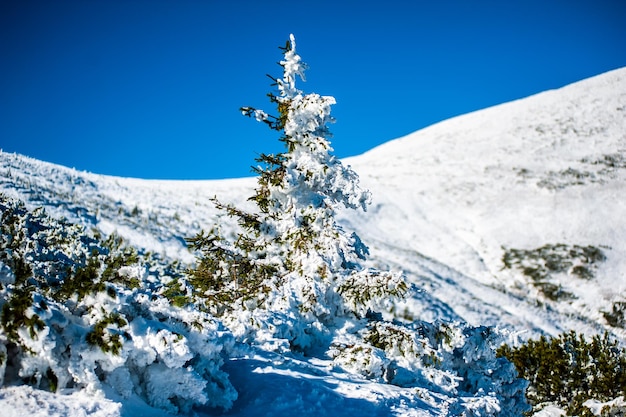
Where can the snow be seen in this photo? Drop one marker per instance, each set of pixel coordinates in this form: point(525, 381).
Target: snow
point(446, 200)
point(25, 400)
point(615, 404)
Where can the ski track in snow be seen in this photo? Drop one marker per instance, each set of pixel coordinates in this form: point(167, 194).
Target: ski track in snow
point(447, 199)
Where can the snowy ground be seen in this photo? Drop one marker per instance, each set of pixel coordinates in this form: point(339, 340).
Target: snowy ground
point(268, 384)
point(546, 170)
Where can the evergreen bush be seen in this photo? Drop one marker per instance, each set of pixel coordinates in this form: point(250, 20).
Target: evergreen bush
point(80, 312)
point(543, 264)
point(568, 370)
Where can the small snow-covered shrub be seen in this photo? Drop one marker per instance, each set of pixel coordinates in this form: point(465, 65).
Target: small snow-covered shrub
point(493, 381)
point(77, 312)
point(406, 354)
point(456, 360)
point(615, 317)
point(568, 370)
point(613, 408)
point(542, 264)
point(362, 359)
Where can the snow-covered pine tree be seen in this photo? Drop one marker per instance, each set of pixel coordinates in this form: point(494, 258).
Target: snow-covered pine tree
point(292, 276)
point(291, 257)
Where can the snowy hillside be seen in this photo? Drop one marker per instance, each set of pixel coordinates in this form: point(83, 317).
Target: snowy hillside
point(539, 172)
point(448, 201)
point(154, 215)
point(513, 216)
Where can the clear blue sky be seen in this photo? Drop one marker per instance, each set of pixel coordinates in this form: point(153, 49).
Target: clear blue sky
point(152, 88)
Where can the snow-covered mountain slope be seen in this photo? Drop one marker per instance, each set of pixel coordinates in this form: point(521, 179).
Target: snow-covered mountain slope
point(548, 171)
point(540, 180)
point(151, 214)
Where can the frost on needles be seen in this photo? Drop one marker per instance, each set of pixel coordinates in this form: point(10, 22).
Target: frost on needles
point(292, 271)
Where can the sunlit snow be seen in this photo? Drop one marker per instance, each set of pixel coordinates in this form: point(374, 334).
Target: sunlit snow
point(447, 202)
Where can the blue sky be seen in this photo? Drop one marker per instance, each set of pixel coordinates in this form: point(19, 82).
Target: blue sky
point(152, 88)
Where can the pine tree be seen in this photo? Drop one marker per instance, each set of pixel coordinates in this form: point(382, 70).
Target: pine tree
point(292, 279)
point(291, 256)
